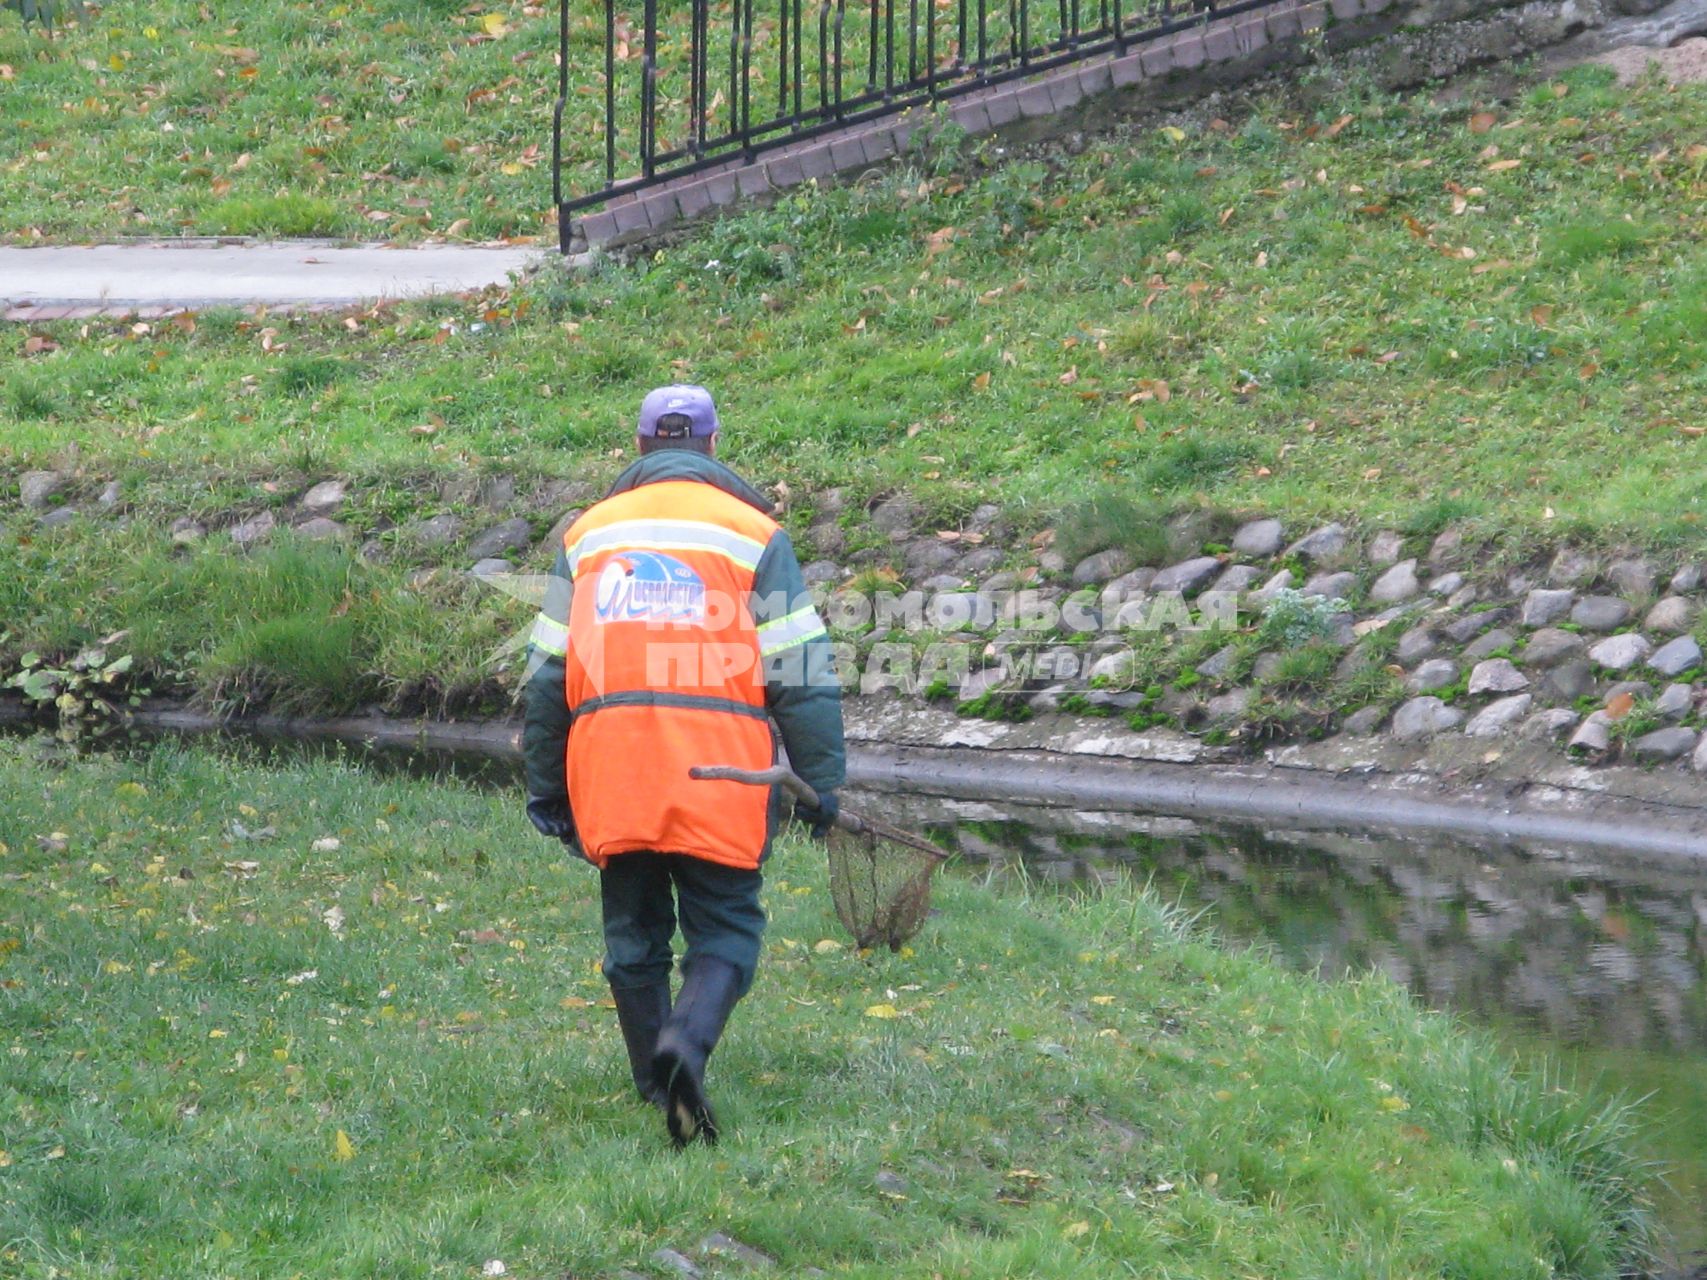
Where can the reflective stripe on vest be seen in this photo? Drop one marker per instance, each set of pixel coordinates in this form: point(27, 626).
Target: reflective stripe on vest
point(797, 628)
point(550, 636)
point(667, 535)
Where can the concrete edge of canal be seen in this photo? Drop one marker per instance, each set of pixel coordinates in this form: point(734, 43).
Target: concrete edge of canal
point(1472, 788)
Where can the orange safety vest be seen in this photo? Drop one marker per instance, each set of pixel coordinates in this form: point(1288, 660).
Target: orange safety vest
point(663, 672)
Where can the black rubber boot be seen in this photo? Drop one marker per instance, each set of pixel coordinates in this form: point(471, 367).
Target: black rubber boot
point(642, 1012)
point(708, 993)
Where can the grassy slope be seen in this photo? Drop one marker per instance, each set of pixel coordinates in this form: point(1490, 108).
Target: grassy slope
point(303, 629)
point(1323, 353)
point(1067, 1088)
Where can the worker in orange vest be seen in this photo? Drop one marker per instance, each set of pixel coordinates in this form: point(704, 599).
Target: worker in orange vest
point(677, 632)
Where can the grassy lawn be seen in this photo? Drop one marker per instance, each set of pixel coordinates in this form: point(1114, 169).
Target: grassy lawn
point(1404, 319)
point(235, 1049)
point(375, 121)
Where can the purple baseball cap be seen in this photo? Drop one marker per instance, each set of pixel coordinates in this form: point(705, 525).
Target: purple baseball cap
point(678, 412)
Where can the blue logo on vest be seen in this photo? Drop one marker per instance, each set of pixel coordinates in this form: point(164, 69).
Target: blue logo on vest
point(645, 586)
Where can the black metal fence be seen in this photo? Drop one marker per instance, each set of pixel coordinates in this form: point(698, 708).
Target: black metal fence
point(699, 82)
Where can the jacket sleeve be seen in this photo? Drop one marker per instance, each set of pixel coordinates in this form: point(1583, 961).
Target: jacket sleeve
point(802, 691)
point(545, 713)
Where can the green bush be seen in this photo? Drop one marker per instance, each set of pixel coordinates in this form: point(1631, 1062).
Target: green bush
point(1292, 619)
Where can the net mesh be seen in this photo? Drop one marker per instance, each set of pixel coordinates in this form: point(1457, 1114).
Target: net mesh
point(882, 889)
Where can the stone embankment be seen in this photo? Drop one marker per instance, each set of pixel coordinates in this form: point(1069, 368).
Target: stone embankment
point(1304, 645)
point(463, 527)
point(1403, 641)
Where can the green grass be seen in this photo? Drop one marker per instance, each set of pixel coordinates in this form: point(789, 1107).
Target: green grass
point(1067, 1087)
point(294, 628)
point(1674, 1104)
point(1111, 518)
point(351, 120)
point(1308, 669)
point(1356, 372)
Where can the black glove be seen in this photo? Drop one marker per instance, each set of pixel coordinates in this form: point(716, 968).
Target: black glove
point(550, 814)
point(820, 818)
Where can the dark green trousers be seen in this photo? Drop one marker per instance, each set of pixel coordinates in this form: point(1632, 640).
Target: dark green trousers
point(644, 894)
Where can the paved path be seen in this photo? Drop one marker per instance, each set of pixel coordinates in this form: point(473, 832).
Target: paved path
point(59, 282)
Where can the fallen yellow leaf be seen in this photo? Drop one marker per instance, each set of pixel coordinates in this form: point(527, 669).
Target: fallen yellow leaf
point(342, 1148)
point(883, 1011)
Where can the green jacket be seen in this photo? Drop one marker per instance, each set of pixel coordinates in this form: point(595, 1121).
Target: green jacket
point(802, 692)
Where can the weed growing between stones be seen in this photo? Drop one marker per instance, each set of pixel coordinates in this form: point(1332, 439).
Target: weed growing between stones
point(1291, 619)
point(1112, 518)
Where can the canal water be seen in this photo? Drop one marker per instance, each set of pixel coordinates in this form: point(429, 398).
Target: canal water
point(1573, 957)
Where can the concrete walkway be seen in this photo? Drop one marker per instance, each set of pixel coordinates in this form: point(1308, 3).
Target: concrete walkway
point(154, 278)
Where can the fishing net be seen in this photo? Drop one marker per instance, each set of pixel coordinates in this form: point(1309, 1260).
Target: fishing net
point(880, 876)
point(881, 888)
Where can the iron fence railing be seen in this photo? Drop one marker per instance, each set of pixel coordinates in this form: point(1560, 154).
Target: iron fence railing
point(699, 82)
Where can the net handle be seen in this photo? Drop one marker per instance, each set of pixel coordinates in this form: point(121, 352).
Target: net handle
point(782, 776)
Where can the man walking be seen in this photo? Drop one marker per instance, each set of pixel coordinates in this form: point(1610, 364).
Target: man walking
point(678, 629)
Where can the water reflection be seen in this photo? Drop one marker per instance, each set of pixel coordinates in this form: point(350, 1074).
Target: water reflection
point(1573, 943)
